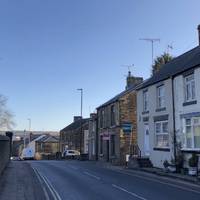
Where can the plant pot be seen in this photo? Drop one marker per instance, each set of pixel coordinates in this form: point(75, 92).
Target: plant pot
point(192, 171)
point(172, 168)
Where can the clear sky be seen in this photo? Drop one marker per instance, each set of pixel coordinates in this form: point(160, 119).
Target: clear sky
point(49, 48)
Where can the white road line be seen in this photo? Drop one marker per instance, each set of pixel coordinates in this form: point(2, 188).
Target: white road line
point(131, 193)
point(56, 193)
point(91, 175)
point(72, 167)
point(44, 189)
point(164, 183)
point(53, 192)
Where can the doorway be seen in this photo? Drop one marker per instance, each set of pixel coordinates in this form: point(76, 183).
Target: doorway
point(107, 150)
point(146, 140)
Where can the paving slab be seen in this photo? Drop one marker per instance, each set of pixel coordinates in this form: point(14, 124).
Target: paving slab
point(19, 182)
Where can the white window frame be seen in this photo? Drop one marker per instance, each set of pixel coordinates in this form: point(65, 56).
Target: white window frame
point(189, 88)
point(161, 133)
point(145, 101)
point(160, 98)
point(192, 134)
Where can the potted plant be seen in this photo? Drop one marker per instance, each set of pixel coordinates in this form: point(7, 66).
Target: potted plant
point(193, 162)
point(166, 165)
point(179, 163)
point(172, 166)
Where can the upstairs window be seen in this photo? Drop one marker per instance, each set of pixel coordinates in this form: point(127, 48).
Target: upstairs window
point(189, 88)
point(112, 110)
point(161, 96)
point(101, 118)
point(145, 101)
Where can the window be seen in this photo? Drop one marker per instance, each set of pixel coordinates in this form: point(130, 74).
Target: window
point(161, 134)
point(161, 96)
point(145, 101)
point(101, 118)
point(93, 147)
point(112, 144)
point(189, 88)
point(192, 133)
point(93, 126)
point(112, 110)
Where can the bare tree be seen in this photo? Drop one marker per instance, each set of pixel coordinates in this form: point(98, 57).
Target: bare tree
point(6, 117)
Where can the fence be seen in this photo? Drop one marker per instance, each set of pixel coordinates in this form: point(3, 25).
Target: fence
point(4, 152)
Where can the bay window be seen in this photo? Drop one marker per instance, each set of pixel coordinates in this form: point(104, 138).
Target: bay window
point(192, 133)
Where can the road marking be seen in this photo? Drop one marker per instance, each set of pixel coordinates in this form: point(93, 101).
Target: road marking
point(91, 175)
point(56, 193)
point(131, 193)
point(40, 180)
point(73, 167)
point(164, 183)
point(53, 192)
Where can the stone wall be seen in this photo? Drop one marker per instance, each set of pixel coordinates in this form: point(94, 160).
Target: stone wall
point(4, 152)
point(128, 106)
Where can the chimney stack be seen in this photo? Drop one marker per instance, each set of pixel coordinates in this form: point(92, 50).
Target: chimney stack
point(77, 118)
point(132, 81)
point(198, 28)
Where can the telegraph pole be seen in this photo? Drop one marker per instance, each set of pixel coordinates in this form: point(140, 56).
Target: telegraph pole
point(81, 90)
point(152, 40)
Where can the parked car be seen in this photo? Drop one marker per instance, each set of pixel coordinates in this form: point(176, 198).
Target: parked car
point(70, 154)
point(15, 158)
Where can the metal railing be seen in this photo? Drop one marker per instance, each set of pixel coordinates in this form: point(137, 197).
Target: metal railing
point(135, 151)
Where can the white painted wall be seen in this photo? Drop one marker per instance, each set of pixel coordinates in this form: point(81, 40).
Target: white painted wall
point(179, 99)
point(157, 157)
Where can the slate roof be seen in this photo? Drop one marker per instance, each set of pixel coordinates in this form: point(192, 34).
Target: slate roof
point(48, 138)
point(118, 96)
point(178, 65)
point(75, 125)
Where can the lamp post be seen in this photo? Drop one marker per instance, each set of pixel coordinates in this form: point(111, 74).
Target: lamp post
point(29, 129)
point(81, 91)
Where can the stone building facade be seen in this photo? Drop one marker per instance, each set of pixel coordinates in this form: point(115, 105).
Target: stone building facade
point(117, 124)
point(92, 138)
point(73, 136)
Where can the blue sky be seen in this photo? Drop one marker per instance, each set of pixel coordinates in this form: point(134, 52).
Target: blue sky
point(50, 48)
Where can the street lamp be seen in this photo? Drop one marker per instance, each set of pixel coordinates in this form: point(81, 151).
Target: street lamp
point(81, 90)
point(29, 129)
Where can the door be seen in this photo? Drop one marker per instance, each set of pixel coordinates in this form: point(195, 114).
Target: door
point(146, 140)
point(107, 144)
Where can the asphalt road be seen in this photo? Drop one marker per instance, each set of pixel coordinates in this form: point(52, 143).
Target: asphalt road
point(76, 180)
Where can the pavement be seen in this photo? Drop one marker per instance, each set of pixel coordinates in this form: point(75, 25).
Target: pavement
point(156, 171)
point(86, 180)
point(160, 172)
point(18, 182)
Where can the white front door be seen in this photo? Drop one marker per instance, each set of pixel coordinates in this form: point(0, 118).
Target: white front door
point(146, 140)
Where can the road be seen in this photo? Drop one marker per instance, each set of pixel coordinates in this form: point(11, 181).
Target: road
point(76, 180)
